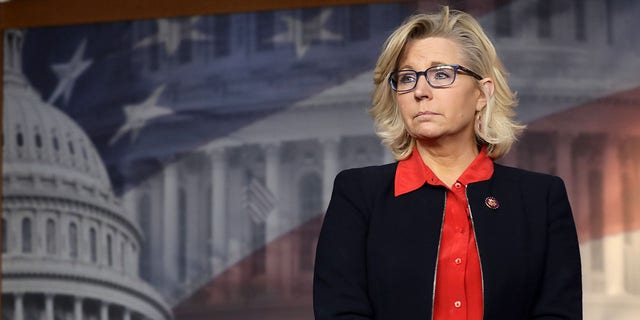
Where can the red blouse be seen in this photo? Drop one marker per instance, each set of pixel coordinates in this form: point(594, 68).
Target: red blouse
point(458, 292)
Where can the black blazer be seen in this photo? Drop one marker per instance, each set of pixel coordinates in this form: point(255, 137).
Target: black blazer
point(377, 253)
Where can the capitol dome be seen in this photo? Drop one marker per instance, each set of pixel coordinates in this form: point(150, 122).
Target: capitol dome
point(68, 249)
point(39, 140)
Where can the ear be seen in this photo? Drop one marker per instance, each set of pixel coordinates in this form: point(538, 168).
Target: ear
point(486, 88)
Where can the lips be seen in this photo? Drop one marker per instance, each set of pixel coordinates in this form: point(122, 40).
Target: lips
point(425, 113)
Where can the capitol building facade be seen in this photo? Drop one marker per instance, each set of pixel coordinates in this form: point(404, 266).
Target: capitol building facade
point(228, 230)
point(556, 57)
point(69, 251)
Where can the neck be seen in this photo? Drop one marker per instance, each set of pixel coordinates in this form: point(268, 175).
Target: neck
point(447, 160)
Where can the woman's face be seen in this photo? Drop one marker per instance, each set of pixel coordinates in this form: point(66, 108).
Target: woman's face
point(442, 114)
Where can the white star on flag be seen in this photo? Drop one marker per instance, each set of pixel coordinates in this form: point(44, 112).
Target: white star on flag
point(68, 73)
point(172, 33)
point(301, 34)
point(138, 115)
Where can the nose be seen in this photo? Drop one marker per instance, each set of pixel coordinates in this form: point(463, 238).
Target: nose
point(423, 89)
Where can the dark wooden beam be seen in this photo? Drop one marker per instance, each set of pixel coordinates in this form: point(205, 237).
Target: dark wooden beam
point(37, 13)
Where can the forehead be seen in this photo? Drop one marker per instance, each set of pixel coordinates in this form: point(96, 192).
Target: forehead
point(430, 51)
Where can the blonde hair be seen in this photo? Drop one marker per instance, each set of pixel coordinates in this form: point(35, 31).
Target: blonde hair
point(495, 125)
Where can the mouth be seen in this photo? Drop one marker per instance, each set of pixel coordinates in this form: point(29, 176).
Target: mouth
point(425, 113)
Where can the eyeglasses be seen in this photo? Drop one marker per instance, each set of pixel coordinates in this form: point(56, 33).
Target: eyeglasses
point(437, 77)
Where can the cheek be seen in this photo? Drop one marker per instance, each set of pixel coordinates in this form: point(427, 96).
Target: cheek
point(403, 107)
point(467, 106)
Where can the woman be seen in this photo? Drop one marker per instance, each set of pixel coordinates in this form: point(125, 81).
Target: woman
point(445, 233)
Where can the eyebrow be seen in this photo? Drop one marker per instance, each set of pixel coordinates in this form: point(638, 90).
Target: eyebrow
point(433, 63)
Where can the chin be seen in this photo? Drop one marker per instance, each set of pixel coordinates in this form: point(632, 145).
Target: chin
point(428, 136)
point(428, 133)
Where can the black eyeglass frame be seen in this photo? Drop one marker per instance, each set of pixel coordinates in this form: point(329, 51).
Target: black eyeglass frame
point(455, 68)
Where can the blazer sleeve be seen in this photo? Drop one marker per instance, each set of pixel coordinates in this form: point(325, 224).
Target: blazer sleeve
point(340, 275)
point(560, 295)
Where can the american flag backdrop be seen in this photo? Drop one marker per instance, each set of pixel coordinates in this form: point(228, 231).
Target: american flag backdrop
point(222, 134)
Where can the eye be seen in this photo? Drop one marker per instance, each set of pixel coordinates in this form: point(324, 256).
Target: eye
point(443, 74)
point(406, 77)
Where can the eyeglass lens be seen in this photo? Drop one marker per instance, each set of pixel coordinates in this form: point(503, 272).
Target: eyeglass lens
point(440, 76)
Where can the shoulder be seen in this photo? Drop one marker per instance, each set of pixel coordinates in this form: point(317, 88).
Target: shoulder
point(530, 182)
point(366, 182)
point(367, 175)
point(359, 189)
point(503, 172)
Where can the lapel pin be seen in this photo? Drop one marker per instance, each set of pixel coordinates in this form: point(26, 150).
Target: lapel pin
point(492, 203)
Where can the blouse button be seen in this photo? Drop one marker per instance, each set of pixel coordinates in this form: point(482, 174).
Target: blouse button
point(457, 304)
point(458, 261)
point(457, 185)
